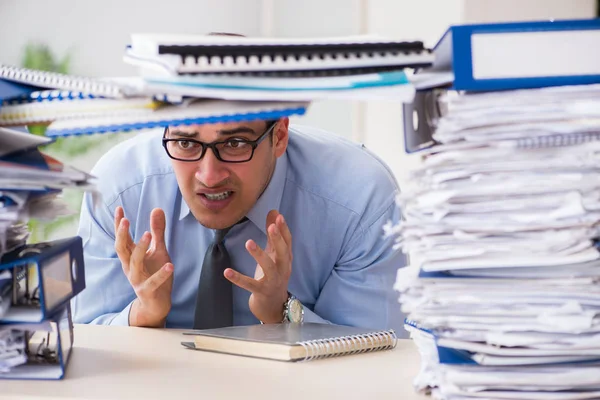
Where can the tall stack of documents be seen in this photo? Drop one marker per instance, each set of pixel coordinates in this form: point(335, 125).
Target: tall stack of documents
point(502, 227)
point(36, 280)
point(190, 79)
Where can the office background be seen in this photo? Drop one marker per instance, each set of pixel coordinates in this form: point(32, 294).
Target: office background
point(93, 34)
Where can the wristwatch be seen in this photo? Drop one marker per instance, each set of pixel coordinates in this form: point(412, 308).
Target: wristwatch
point(293, 310)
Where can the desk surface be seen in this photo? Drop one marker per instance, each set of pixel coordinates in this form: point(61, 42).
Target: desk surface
point(137, 363)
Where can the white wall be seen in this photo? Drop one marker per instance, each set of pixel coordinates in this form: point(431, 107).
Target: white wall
point(319, 18)
point(424, 20)
point(523, 10)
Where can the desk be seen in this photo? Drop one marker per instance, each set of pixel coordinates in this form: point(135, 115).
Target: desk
point(137, 363)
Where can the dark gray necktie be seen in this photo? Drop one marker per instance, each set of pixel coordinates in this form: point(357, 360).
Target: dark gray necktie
point(214, 302)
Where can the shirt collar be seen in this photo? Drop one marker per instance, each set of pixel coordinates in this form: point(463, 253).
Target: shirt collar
point(184, 210)
point(271, 197)
point(269, 200)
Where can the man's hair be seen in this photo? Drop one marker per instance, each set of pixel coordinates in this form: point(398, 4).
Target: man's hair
point(226, 34)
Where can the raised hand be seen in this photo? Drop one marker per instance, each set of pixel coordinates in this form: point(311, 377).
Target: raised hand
point(148, 268)
point(273, 270)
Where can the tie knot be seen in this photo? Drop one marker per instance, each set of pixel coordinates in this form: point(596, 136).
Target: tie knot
point(220, 233)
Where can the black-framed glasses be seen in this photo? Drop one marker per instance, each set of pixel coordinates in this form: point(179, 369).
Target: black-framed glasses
point(235, 150)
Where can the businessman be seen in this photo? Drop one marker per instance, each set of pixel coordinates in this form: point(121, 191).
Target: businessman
point(239, 223)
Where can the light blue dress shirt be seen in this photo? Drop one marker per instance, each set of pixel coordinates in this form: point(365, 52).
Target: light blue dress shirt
point(335, 196)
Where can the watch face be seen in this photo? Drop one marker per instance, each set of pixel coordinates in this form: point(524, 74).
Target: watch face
point(295, 311)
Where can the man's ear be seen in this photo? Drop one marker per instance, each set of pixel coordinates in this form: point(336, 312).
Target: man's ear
point(281, 136)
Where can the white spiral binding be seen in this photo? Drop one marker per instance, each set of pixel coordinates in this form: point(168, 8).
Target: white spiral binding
point(347, 345)
point(55, 80)
point(557, 140)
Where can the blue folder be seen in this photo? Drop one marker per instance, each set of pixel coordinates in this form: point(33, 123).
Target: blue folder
point(48, 346)
point(46, 276)
point(463, 46)
point(11, 90)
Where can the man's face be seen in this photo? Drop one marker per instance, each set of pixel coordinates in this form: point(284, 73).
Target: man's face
point(218, 193)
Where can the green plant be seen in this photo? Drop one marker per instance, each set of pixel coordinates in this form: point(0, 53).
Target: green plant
point(40, 57)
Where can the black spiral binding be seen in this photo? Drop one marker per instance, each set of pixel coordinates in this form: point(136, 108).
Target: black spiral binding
point(243, 54)
point(296, 51)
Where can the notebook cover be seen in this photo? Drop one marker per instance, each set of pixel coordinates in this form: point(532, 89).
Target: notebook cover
point(288, 334)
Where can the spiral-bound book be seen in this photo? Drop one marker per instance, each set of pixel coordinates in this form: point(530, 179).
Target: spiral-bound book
point(192, 54)
point(192, 112)
point(36, 112)
point(53, 80)
point(291, 342)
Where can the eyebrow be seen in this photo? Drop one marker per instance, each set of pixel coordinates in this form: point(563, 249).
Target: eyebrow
point(241, 129)
point(224, 132)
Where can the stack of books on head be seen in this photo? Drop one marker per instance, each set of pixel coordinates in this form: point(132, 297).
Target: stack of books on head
point(36, 280)
point(502, 227)
point(187, 79)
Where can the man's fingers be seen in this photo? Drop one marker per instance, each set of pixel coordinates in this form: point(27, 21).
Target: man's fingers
point(121, 244)
point(283, 255)
point(262, 258)
point(157, 228)
point(271, 218)
point(136, 263)
point(243, 281)
point(119, 218)
point(119, 215)
point(284, 229)
point(156, 280)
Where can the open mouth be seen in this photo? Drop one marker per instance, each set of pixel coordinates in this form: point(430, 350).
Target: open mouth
point(217, 196)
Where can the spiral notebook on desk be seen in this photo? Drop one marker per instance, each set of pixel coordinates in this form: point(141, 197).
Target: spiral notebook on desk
point(291, 342)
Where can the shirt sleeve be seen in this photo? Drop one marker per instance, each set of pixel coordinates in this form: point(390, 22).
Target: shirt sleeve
point(359, 292)
point(310, 316)
point(107, 298)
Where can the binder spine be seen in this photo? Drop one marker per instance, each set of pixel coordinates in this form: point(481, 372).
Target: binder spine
point(347, 345)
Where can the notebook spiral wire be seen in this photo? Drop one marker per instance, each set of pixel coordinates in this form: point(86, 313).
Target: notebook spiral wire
point(347, 345)
point(57, 80)
point(557, 140)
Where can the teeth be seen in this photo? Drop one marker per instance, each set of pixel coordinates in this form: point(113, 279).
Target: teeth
point(218, 196)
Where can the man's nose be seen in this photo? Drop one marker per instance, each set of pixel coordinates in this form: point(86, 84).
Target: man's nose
point(211, 172)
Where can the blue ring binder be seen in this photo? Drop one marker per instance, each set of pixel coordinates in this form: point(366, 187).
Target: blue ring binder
point(60, 275)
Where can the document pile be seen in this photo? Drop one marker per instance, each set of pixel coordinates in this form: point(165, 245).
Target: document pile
point(238, 68)
point(189, 79)
point(36, 280)
point(502, 227)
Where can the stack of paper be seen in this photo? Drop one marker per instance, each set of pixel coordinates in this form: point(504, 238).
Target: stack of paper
point(74, 105)
point(12, 349)
point(238, 68)
point(36, 280)
point(189, 79)
point(502, 227)
point(30, 185)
